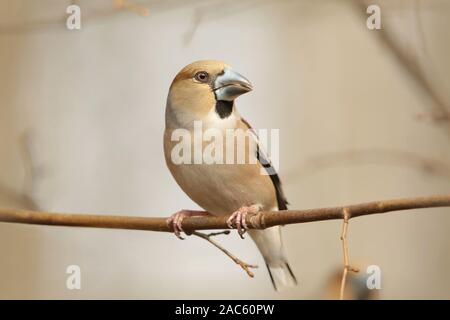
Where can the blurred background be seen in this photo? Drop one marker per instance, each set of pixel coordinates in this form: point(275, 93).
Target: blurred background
point(363, 115)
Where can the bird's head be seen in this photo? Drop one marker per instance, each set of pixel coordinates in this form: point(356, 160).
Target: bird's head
point(204, 85)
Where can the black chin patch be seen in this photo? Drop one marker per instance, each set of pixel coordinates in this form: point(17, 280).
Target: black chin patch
point(224, 108)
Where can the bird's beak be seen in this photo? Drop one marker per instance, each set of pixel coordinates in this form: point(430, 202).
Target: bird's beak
point(230, 85)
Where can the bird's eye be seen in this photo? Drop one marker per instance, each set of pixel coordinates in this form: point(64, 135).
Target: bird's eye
point(202, 76)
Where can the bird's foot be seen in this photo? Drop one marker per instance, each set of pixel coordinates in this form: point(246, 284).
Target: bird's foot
point(175, 221)
point(237, 219)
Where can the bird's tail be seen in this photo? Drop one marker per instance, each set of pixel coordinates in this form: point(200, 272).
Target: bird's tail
point(271, 247)
point(281, 275)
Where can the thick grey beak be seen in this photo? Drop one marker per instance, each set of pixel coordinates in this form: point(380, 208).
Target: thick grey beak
point(230, 85)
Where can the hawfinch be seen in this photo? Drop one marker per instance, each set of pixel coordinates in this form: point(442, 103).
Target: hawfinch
point(202, 97)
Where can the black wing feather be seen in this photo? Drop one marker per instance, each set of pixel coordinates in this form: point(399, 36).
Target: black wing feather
point(267, 165)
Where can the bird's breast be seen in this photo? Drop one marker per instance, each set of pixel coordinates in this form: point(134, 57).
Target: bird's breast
point(219, 188)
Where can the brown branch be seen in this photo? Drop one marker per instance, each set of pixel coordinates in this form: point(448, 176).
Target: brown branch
point(257, 221)
point(261, 220)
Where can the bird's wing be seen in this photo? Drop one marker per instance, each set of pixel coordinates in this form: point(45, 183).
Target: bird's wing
point(264, 160)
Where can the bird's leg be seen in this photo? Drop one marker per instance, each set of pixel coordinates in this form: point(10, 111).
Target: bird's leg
point(177, 218)
point(237, 219)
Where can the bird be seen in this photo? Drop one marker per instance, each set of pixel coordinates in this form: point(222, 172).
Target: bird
point(204, 92)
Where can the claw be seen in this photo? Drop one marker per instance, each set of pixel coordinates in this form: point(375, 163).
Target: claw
point(175, 221)
point(237, 219)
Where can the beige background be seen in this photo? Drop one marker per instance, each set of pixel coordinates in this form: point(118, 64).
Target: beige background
point(87, 107)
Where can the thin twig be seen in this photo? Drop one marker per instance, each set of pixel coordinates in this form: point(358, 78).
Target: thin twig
point(238, 261)
point(33, 174)
point(218, 233)
point(379, 156)
point(132, 7)
point(411, 66)
point(347, 266)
